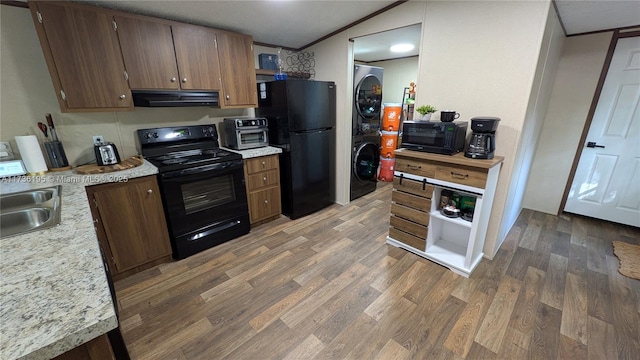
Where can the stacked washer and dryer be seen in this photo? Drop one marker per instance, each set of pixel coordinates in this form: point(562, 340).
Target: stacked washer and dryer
point(367, 107)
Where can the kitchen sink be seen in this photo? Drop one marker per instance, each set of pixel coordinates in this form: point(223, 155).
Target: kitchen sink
point(30, 210)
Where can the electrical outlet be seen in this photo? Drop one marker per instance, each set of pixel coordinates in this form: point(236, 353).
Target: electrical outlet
point(5, 150)
point(98, 140)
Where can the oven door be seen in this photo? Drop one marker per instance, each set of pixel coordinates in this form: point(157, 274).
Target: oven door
point(252, 138)
point(205, 206)
point(423, 134)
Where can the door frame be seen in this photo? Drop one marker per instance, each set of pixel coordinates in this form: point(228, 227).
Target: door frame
point(617, 35)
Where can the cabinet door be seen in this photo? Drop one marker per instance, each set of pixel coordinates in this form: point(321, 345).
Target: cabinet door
point(197, 57)
point(237, 66)
point(147, 49)
point(133, 220)
point(264, 204)
point(83, 56)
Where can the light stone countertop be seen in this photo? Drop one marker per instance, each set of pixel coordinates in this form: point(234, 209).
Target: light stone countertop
point(257, 152)
point(54, 294)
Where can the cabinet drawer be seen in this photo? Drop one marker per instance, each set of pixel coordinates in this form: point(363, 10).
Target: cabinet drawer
point(410, 214)
point(415, 167)
point(412, 201)
point(262, 163)
point(462, 175)
point(260, 180)
point(408, 227)
point(413, 241)
point(413, 187)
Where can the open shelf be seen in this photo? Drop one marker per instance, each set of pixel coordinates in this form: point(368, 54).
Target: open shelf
point(448, 252)
point(266, 72)
point(458, 221)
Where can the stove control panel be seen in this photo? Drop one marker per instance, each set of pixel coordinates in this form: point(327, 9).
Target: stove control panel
point(174, 134)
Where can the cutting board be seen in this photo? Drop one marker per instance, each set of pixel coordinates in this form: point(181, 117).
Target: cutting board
point(100, 169)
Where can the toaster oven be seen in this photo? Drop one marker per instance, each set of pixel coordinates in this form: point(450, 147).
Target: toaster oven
point(246, 133)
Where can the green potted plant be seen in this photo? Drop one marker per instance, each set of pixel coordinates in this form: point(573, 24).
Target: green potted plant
point(426, 111)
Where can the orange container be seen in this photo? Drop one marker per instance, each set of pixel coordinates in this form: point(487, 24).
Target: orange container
point(386, 169)
point(388, 143)
point(391, 117)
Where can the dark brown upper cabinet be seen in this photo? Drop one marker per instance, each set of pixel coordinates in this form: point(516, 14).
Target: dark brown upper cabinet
point(160, 55)
point(97, 56)
point(82, 53)
point(238, 69)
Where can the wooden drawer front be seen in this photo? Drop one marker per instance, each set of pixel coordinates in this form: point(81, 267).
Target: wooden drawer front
point(413, 187)
point(260, 180)
point(412, 201)
point(408, 227)
point(264, 204)
point(462, 175)
point(262, 163)
point(410, 214)
point(413, 241)
point(415, 167)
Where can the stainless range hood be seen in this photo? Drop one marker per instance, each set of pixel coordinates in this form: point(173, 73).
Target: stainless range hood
point(163, 98)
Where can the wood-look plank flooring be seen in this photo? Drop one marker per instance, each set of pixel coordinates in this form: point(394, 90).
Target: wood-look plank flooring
point(327, 286)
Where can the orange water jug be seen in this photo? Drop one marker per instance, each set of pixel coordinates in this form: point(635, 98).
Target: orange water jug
point(391, 117)
point(387, 166)
point(388, 143)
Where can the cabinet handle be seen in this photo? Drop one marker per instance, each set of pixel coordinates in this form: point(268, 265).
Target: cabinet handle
point(228, 97)
point(184, 80)
point(264, 179)
point(123, 96)
point(173, 79)
point(414, 167)
point(459, 176)
point(149, 191)
point(266, 202)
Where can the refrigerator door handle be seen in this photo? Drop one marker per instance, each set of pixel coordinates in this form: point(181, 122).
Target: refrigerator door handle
point(312, 131)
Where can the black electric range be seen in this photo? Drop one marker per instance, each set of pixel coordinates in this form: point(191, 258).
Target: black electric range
point(202, 186)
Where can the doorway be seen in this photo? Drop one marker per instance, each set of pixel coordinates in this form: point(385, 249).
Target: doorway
point(606, 180)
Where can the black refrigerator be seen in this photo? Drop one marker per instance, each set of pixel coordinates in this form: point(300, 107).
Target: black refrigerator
point(302, 118)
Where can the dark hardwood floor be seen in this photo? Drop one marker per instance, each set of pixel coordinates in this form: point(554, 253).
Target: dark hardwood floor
point(327, 286)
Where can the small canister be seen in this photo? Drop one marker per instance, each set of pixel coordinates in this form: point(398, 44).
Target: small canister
point(445, 197)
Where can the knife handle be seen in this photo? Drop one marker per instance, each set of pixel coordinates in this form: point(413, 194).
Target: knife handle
point(49, 121)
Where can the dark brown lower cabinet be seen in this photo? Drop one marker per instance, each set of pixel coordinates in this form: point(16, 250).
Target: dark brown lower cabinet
point(130, 225)
point(96, 349)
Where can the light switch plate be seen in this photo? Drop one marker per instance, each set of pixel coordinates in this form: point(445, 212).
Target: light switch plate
point(98, 140)
point(5, 151)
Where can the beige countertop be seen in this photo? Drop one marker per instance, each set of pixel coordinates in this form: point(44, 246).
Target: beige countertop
point(257, 152)
point(54, 294)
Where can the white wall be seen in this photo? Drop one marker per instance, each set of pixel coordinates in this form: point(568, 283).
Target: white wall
point(547, 65)
point(573, 89)
point(397, 75)
point(485, 63)
point(27, 95)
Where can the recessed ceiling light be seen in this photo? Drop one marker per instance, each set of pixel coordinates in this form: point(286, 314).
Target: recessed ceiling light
point(401, 48)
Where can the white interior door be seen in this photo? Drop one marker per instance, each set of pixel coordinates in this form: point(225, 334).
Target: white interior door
point(607, 180)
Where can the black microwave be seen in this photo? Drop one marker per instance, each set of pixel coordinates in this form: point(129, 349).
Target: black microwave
point(434, 137)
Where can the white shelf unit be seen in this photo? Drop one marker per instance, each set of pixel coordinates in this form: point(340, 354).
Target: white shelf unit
point(454, 242)
point(450, 240)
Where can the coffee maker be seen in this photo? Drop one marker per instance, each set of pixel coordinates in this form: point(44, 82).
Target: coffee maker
point(483, 139)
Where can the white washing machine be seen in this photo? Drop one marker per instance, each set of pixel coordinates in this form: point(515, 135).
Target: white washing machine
point(366, 115)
